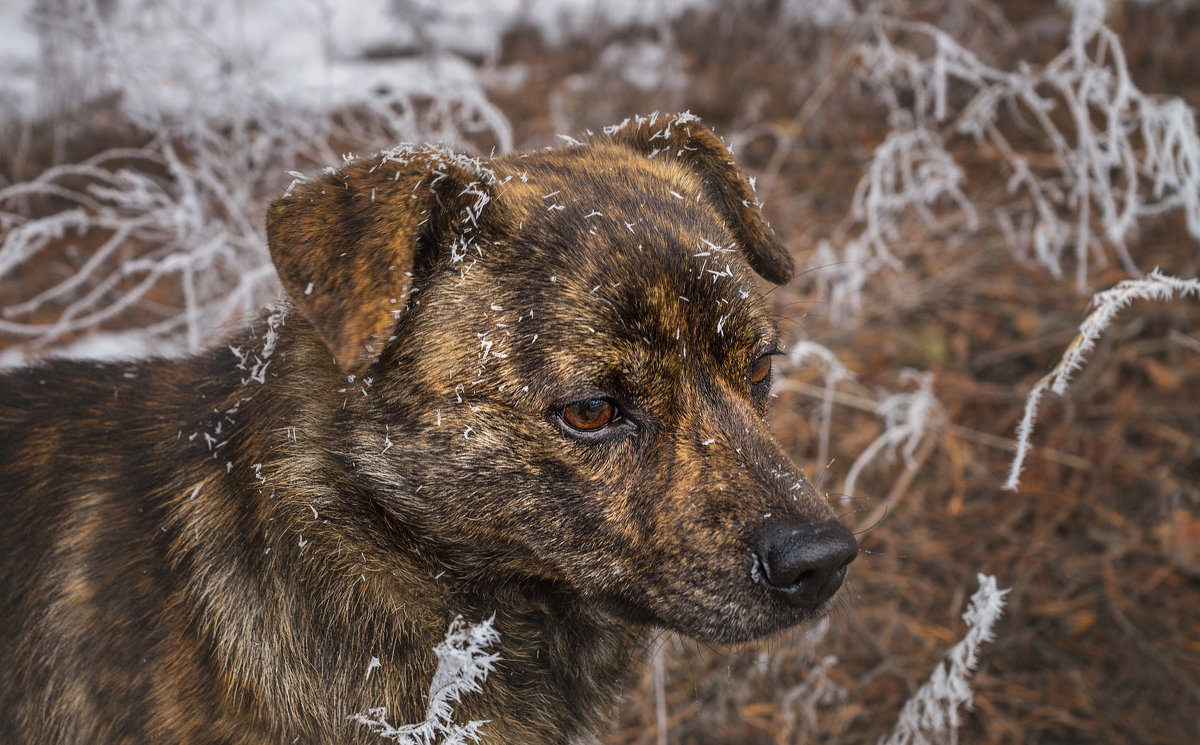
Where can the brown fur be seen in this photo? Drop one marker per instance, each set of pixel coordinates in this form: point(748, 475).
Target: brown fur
point(212, 550)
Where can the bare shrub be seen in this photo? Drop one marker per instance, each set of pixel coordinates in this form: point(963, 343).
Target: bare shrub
point(172, 228)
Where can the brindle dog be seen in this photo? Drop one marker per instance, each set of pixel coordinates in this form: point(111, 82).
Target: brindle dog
point(533, 388)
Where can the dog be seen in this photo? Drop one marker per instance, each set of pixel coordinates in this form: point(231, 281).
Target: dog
point(532, 390)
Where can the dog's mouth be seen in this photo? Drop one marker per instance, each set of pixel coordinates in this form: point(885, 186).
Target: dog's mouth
point(754, 605)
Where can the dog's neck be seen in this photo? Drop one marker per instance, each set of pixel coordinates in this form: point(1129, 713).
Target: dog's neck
point(278, 476)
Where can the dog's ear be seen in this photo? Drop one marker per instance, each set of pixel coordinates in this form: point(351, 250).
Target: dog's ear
point(345, 243)
point(683, 137)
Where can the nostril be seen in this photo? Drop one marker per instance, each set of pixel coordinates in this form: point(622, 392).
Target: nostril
point(806, 562)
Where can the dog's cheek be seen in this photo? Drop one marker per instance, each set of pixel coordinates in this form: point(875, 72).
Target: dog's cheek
point(656, 547)
point(522, 479)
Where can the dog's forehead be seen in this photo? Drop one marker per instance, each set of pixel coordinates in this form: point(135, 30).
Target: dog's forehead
point(604, 232)
point(602, 181)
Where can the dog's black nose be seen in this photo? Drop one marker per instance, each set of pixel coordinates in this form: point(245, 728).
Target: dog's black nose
point(806, 562)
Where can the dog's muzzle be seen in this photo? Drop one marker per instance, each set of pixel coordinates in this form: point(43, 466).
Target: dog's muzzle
point(804, 562)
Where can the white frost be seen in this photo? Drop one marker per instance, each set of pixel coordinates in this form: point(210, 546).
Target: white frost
point(463, 667)
point(1155, 286)
point(931, 715)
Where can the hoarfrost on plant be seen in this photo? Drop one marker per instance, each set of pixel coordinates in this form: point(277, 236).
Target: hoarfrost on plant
point(463, 667)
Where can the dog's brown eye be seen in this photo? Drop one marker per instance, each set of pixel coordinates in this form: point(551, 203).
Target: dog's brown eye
point(761, 369)
point(589, 415)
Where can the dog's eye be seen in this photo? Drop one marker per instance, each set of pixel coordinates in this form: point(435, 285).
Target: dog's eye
point(589, 415)
point(761, 369)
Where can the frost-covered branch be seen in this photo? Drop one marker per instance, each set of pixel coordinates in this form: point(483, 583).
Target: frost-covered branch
point(835, 373)
point(1154, 286)
point(909, 172)
point(1104, 157)
point(798, 706)
point(931, 716)
point(463, 667)
point(907, 419)
point(173, 228)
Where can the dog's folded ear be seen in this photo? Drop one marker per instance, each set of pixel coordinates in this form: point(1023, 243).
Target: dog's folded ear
point(683, 137)
point(345, 243)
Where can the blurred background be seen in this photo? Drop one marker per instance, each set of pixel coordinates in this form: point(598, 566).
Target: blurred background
point(961, 182)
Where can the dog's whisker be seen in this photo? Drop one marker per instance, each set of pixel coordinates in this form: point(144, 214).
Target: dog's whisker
point(872, 526)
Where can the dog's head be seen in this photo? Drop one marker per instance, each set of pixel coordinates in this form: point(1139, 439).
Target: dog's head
point(573, 365)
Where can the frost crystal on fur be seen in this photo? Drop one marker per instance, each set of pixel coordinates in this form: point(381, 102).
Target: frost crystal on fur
point(1155, 286)
point(931, 716)
point(463, 666)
